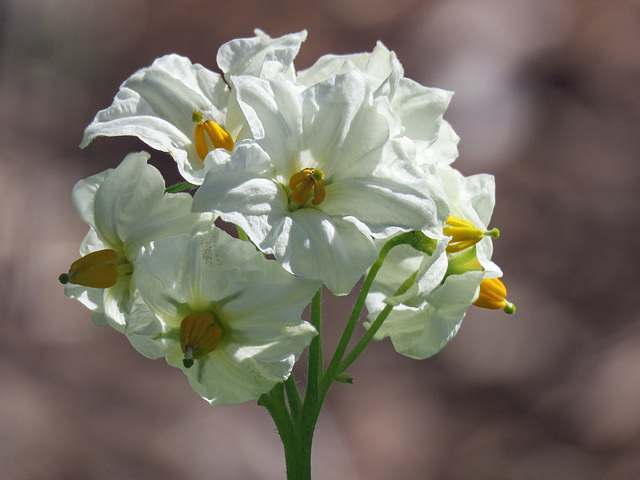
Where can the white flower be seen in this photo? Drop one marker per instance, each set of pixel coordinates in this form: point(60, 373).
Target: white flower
point(321, 178)
point(429, 314)
point(171, 104)
point(126, 208)
point(230, 319)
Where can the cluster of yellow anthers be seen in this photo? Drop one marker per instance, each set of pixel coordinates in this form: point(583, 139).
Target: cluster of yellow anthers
point(199, 335)
point(303, 182)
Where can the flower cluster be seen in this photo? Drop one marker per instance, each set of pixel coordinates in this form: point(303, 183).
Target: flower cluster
point(318, 170)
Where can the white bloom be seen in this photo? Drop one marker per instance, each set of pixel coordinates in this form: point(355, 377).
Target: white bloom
point(323, 176)
point(429, 314)
point(163, 103)
point(126, 208)
point(230, 319)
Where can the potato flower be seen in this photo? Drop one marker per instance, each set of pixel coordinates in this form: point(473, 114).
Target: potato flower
point(325, 172)
point(230, 319)
point(459, 273)
point(126, 208)
point(187, 110)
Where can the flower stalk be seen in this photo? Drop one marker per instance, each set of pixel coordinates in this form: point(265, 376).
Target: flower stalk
point(296, 419)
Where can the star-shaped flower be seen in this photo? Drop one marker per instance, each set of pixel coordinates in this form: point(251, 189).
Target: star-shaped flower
point(230, 319)
point(186, 110)
point(126, 208)
point(324, 174)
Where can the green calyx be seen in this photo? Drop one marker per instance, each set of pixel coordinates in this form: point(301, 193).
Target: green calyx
point(180, 187)
point(418, 240)
point(462, 262)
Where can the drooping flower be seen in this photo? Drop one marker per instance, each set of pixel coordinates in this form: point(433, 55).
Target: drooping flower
point(186, 110)
point(460, 273)
point(230, 319)
point(324, 174)
point(126, 208)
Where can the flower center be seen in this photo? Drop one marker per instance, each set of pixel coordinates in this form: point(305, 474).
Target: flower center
point(219, 137)
point(99, 269)
point(464, 233)
point(493, 295)
point(199, 335)
point(303, 182)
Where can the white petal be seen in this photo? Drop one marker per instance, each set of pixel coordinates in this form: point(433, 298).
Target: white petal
point(222, 379)
point(118, 301)
point(93, 242)
point(341, 125)
point(92, 298)
point(246, 56)
point(114, 188)
point(243, 197)
point(315, 246)
point(379, 66)
point(423, 331)
point(445, 148)
point(420, 109)
point(144, 331)
point(158, 277)
point(273, 111)
point(131, 208)
point(472, 198)
point(84, 194)
point(384, 205)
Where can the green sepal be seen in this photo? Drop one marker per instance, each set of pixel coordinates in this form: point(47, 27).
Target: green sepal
point(344, 378)
point(418, 240)
point(180, 187)
point(464, 261)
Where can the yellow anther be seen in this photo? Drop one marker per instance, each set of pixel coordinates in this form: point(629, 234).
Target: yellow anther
point(302, 182)
point(493, 295)
point(200, 141)
point(199, 335)
point(218, 135)
point(465, 234)
point(99, 269)
point(220, 138)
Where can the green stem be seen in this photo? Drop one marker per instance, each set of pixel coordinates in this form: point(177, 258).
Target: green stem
point(298, 467)
point(375, 326)
point(312, 401)
point(334, 364)
point(296, 425)
point(295, 403)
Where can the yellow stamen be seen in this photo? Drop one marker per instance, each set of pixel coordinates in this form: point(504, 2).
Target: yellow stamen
point(465, 234)
point(199, 335)
point(302, 182)
point(200, 141)
point(218, 135)
point(493, 295)
point(99, 269)
point(220, 138)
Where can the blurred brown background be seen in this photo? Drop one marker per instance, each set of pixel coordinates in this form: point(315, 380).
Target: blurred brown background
point(547, 99)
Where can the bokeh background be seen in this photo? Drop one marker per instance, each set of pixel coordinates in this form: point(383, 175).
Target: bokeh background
point(547, 99)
